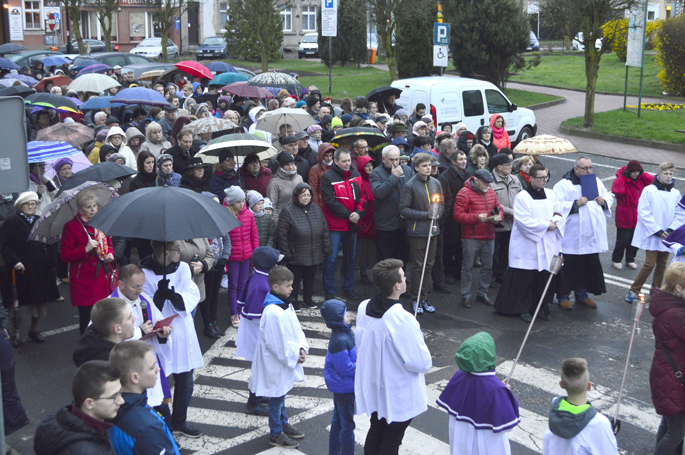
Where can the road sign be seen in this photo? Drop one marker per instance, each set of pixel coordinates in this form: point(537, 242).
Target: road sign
point(329, 5)
point(329, 17)
point(440, 55)
point(441, 34)
point(51, 22)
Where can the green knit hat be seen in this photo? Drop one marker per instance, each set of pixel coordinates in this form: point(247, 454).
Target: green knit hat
point(477, 354)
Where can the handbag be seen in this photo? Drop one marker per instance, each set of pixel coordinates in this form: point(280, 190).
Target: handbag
point(669, 359)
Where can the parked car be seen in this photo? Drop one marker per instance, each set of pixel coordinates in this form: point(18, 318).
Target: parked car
point(212, 47)
point(245, 72)
point(577, 43)
point(113, 58)
point(152, 48)
point(95, 46)
point(534, 45)
point(140, 68)
point(27, 58)
point(309, 46)
point(452, 99)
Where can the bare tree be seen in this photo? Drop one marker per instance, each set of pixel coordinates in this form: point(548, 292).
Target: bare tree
point(384, 14)
point(104, 10)
point(588, 16)
point(74, 13)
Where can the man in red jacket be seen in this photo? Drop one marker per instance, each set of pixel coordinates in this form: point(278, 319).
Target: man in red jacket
point(343, 205)
point(476, 207)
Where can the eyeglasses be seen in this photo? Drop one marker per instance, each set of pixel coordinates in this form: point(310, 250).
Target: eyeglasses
point(543, 178)
point(113, 397)
point(306, 196)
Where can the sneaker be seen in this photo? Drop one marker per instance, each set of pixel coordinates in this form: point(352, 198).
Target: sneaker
point(631, 297)
point(526, 317)
point(631, 265)
point(413, 308)
point(260, 410)
point(236, 321)
point(292, 432)
point(427, 307)
point(188, 431)
point(311, 305)
point(224, 281)
point(283, 441)
point(616, 265)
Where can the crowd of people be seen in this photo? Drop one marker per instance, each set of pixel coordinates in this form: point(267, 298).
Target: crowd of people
point(433, 199)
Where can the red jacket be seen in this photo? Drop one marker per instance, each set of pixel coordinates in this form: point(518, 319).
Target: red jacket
point(468, 205)
point(627, 192)
point(669, 328)
point(342, 194)
point(258, 183)
point(318, 171)
point(367, 228)
point(88, 280)
point(245, 238)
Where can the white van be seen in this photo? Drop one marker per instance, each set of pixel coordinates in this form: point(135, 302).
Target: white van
point(309, 46)
point(453, 99)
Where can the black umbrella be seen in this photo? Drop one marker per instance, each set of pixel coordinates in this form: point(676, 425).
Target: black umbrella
point(381, 93)
point(373, 137)
point(164, 213)
point(102, 172)
point(10, 48)
point(17, 90)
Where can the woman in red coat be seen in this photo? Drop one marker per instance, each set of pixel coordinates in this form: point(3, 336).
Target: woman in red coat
point(90, 256)
point(668, 309)
point(628, 186)
point(366, 243)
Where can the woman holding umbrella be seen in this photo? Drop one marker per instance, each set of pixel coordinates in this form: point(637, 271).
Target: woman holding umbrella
point(29, 263)
point(90, 255)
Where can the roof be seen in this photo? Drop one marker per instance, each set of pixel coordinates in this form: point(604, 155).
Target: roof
point(431, 81)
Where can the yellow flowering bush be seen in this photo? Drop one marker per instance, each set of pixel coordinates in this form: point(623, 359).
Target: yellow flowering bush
point(670, 46)
point(616, 32)
point(659, 106)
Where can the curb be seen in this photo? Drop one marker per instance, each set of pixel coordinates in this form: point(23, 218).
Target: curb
point(534, 107)
point(665, 97)
point(622, 139)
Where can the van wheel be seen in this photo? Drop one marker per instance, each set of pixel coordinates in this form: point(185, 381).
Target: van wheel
point(525, 133)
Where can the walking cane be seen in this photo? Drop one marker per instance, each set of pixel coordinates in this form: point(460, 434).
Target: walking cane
point(554, 268)
point(433, 215)
point(636, 312)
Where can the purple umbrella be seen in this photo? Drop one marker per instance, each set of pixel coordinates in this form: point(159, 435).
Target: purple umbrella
point(28, 80)
point(99, 68)
point(10, 82)
point(140, 95)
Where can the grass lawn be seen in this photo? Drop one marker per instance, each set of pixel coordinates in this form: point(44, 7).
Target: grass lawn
point(652, 125)
point(524, 99)
point(568, 71)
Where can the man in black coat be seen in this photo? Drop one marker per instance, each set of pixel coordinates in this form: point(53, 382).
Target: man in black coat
point(183, 151)
point(452, 180)
point(80, 428)
point(113, 322)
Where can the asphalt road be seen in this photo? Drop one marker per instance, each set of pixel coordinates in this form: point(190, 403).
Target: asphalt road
point(600, 335)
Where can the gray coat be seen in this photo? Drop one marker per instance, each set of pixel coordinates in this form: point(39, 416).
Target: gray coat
point(414, 204)
point(506, 191)
point(387, 189)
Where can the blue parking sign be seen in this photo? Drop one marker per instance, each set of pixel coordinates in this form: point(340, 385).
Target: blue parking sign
point(441, 34)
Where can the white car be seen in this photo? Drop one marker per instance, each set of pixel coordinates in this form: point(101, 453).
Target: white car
point(152, 48)
point(309, 46)
point(577, 43)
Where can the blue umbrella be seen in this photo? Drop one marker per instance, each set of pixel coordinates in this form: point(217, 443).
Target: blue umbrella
point(99, 68)
point(11, 47)
point(140, 95)
point(84, 63)
point(227, 78)
point(6, 63)
point(100, 102)
point(40, 151)
point(220, 67)
point(55, 60)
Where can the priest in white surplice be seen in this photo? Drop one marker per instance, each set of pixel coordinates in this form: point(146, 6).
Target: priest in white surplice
point(535, 239)
point(585, 236)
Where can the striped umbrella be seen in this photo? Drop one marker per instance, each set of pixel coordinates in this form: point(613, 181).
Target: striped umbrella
point(52, 101)
point(99, 68)
point(240, 145)
point(40, 151)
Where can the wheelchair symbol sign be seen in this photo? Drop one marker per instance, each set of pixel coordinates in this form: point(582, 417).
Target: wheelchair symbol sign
point(440, 56)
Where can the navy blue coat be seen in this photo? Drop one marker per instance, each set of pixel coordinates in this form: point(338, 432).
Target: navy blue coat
point(341, 358)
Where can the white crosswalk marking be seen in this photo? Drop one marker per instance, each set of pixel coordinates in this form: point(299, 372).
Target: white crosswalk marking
point(307, 401)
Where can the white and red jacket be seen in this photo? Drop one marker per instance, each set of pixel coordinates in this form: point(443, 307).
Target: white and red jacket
point(342, 194)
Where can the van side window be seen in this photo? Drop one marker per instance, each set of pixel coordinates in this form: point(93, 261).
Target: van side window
point(473, 103)
point(496, 102)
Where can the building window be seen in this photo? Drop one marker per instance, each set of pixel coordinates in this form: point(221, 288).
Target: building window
point(309, 18)
point(650, 15)
point(287, 17)
point(223, 15)
point(32, 15)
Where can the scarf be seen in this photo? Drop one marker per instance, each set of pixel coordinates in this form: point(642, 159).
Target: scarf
point(34, 179)
point(661, 185)
point(497, 133)
point(99, 236)
point(29, 218)
point(525, 177)
point(258, 215)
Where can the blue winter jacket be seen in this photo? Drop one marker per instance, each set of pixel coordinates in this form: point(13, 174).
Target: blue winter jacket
point(140, 430)
point(341, 358)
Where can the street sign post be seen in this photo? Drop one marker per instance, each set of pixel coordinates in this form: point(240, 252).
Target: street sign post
point(441, 34)
point(440, 56)
point(329, 28)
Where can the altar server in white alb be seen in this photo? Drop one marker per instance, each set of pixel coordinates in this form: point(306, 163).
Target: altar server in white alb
point(575, 426)
point(392, 358)
point(170, 283)
point(585, 236)
point(535, 239)
point(130, 288)
point(659, 212)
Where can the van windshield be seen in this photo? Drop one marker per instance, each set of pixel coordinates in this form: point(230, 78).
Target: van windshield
point(310, 38)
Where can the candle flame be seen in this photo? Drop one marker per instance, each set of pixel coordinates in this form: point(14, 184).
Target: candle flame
point(642, 297)
point(436, 198)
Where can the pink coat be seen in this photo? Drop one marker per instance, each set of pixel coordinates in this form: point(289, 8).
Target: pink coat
point(245, 238)
point(502, 141)
point(627, 192)
point(88, 280)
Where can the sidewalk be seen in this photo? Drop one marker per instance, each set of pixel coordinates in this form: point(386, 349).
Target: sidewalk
point(550, 118)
